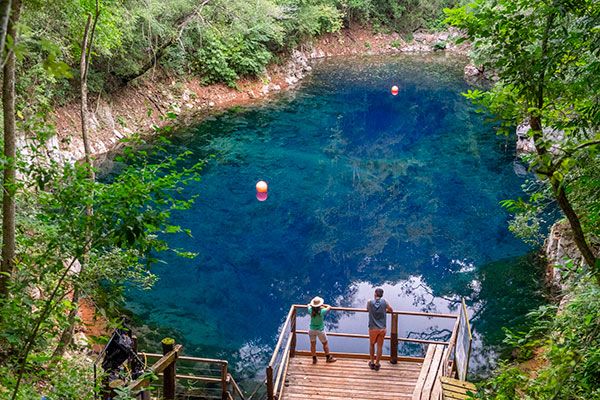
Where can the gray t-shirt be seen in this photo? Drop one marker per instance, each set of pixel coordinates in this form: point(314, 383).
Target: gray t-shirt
point(377, 309)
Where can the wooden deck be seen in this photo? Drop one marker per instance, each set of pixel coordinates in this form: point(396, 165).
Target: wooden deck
point(349, 379)
point(291, 375)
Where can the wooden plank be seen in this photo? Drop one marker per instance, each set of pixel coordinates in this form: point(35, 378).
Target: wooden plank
point(456, 382)
point(399, 375)
point(355, 364)
point(455, 396)
point(327, 393)
point(348, 393)
point(456, 389)
point(305, 353)
point(436, 393)
point(433, 373)
point(307, 359)
point(362, 371)
point(327, 396)
point(365, 381)
point(407, 375)
point(424, 371)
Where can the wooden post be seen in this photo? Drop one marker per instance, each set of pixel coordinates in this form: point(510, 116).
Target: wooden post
point(169, 373)
point(224, 392)
point(394, 340)
point(270, 389)
point(293, 329)
point(133, 366)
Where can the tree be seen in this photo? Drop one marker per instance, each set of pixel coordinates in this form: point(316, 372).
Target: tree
point(9, 183)
point(5, 10)
point(121, 242)
point(544, 56)
point(86, 51)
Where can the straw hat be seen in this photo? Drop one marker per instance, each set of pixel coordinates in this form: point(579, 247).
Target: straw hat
point(316, 302)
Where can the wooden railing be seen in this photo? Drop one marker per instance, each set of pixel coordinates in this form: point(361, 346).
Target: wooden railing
point(166, 365)
point(286, 344)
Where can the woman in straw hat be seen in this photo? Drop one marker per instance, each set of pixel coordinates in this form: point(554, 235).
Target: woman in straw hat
point(317, 310)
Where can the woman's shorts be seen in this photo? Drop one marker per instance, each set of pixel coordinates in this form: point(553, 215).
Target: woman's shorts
point(314, 334)
point(376, 335)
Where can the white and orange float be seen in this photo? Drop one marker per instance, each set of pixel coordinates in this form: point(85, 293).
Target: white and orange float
point(261, 190)
point(394, 90)
point(262, 187)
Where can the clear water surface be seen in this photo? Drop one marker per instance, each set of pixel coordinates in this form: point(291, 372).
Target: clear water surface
point(366, 189)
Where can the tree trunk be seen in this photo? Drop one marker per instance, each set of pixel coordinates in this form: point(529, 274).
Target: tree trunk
point(578, 235)
point(84, 98)
point(563, 201)
point(86, 44)
point(67, 334)
point(5, 7)
point(9, 179)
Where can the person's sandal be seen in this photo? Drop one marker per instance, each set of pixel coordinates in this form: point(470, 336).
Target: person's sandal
point(330, 359)
point(371, 365)
point(314, 360)
point(377, 366)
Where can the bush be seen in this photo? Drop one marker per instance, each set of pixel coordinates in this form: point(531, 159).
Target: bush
point(570, 352)
point(226, 59)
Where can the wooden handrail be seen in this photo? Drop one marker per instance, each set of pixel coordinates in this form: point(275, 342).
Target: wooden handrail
point(235, 386)
point(157, 368)
point(278, 345)
point(286, 353)
point(187, 358)
point(363, 336)
point(167, 360)
point(206, 379)
point(451, 348)
point(407, 313)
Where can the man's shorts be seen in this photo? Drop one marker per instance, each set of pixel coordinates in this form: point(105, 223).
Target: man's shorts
point(376, 335)
point(314, 334)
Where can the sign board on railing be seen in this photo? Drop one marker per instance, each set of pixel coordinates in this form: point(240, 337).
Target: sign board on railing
point(463, 343)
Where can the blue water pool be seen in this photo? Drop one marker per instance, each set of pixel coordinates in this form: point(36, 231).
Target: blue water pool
point(365, 189)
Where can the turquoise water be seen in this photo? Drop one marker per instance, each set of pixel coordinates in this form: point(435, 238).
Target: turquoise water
point(366, 189)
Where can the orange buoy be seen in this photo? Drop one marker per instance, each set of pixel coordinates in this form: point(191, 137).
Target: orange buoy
point(394, 90)
point(262, 187)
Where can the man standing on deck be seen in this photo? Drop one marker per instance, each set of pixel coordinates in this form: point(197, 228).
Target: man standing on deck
point(377, 326)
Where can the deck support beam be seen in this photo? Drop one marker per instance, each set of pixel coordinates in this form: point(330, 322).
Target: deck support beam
point(293, 333)
point(270, 389)
point(169, 379)
point(394, 340)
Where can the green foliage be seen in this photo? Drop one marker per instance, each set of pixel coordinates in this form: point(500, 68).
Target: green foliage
point(62, 247)
point(226, 59)
point(401, 16)
point(69, 379)
point(306, 19)
point(570, 352)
